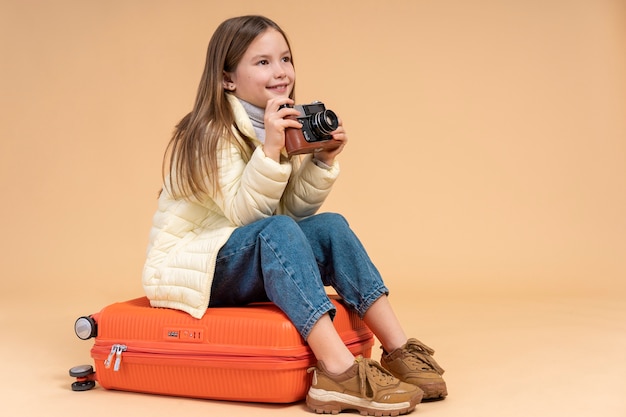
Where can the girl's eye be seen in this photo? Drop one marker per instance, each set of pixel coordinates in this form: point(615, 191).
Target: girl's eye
point(287, 59)
point(263, 62)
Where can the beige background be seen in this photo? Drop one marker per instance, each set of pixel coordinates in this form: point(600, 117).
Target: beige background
point(486, 175)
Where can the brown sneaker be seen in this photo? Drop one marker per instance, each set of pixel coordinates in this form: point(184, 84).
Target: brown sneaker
point(365, 387)
point(413, 363)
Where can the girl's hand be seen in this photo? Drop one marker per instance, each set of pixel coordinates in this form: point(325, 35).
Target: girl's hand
point(328, 156)
point(276, 121)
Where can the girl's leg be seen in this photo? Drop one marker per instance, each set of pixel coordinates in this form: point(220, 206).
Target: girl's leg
point(271, 260)
point(328, 347)
point(382, 320)
point(345, 265)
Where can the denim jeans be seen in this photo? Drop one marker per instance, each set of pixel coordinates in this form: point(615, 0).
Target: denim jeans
point(288, 263)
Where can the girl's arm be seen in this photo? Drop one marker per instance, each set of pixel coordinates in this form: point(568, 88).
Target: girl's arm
point(250, 189)
point(308, 188)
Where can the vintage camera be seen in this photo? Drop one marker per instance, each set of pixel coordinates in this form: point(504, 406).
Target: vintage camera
point(318, 123)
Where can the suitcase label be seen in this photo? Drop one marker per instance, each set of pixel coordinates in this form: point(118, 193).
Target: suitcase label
point(183, 335)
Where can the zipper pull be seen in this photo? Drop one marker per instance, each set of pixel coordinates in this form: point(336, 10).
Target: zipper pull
point(107, 362)
point(117, 351)
point(118, 357)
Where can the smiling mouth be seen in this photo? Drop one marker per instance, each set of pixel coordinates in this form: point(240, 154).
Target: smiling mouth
point(279, 87)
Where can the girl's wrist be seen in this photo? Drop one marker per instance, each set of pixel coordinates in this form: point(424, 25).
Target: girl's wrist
point(320, 163)
point(271, 153)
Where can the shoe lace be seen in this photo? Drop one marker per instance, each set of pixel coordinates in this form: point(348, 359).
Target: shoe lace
point(372, 373)
point(421, 355)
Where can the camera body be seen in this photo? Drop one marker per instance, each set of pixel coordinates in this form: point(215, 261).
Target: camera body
point(318, 123)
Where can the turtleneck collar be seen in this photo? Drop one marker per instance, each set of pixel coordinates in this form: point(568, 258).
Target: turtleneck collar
point(256, 115)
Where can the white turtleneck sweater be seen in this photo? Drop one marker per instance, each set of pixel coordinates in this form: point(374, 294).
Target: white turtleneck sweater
point(257, 117)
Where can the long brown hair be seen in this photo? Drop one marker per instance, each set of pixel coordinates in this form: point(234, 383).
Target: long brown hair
point(193, 147)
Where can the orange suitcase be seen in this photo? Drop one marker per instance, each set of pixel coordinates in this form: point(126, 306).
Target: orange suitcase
point(250, 353)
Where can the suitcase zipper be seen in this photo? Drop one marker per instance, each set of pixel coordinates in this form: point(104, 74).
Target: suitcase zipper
point(117, 349)
point(114, 355)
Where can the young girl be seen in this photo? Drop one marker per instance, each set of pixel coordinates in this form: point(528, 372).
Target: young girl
point(236, 223)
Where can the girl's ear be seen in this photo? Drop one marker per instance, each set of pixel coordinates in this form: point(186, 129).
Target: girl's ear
point(227, 82)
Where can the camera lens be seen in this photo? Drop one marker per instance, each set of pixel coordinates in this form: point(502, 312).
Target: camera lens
point(324, 122)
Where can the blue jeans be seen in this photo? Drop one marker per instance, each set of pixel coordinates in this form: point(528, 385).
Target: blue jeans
point(288, 263)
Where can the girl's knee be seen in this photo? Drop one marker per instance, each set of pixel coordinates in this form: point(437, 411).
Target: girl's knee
point(280, 224)
point(281, 220)
point(332, 220)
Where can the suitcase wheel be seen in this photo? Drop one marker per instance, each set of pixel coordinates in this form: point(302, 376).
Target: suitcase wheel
point(85, 377)
point(81, 371)
point(83, 385)
point(85, 328)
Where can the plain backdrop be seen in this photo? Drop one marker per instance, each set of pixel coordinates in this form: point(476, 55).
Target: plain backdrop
point(486, 157)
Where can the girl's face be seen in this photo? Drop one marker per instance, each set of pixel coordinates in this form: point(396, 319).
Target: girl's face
point(264, 72)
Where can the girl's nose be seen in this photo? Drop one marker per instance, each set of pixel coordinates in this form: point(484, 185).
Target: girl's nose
point(279, 72)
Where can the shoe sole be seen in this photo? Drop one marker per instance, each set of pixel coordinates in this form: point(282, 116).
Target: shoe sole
point(330, 402)
point(433, 392)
